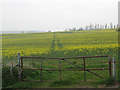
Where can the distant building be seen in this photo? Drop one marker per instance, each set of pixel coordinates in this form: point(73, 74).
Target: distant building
point(119, 14)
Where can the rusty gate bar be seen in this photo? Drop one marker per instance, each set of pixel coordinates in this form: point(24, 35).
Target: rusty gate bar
point(110, 66)
point(84, 70)
point(65, 69)
point(41, 70)
point(67, 57)
point(60, 70)
point(99, 69)
point(55, 69)
point(72, 63)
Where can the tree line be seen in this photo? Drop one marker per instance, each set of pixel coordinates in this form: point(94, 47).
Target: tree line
point(93, 27)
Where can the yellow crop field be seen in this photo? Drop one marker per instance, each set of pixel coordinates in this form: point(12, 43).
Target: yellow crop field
point(59, 44)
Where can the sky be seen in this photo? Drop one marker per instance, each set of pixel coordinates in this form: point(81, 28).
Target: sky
point(55, 15)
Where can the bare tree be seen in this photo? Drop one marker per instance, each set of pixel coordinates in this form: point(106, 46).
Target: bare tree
point(74, 29)
point(105, 26)
point(111, 25)
point(114, 26)
point(117, 25)
point(90, 27)
point(86, 27)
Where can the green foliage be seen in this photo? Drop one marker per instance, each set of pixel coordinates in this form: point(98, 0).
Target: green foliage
point(30, 74)
point(107, 82)
point(118, 29)
point(58, 83)
point(7, 78)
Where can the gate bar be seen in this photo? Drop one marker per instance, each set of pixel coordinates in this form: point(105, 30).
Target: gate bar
point(110, 66)
point(65, 69)
point(66, 58)
point(84, 70)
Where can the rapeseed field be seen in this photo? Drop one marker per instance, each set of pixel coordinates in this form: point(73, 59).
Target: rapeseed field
point(60, 44)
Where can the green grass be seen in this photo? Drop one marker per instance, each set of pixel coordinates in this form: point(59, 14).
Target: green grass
point(59, 44)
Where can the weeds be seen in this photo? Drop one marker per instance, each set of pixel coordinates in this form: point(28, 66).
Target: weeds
point(107, 82)
point(7, 78)
point(58, 83)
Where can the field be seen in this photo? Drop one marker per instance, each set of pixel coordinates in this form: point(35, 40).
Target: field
point(59, 44)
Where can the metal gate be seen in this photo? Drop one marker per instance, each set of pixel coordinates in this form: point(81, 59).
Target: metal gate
point(60, 70)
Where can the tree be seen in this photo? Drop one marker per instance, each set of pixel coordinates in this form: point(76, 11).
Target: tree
point(90, 27)
point(86, 27)
point(118, 29)
point(117, 25)
point(49, 31)
point(95, 27)
point(114, 26)
point(80, 29)
point(111, 25)
point(105, 26)
point(74, 29)
point(98, 26)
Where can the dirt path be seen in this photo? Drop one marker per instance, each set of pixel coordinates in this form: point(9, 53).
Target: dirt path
point(58, 43)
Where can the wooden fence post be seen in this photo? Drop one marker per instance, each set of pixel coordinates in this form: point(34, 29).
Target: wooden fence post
point(19, 66)
point(114, 68)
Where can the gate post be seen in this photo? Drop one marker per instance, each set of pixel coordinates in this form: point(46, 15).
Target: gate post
point(84, 70)
point(114, 68)
point(110, 66)
point(60, 70)
point(19, 67)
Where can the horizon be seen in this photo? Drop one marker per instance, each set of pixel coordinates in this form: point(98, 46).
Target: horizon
point(17, 32)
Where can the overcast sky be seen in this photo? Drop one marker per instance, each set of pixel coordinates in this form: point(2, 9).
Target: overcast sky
point(44, 15)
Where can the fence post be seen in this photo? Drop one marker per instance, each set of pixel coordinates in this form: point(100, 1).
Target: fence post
point(84, 70)
point(110, 66)
point(60, 70)
point(114, 68)
point(19, 66)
